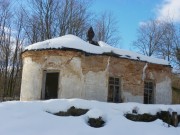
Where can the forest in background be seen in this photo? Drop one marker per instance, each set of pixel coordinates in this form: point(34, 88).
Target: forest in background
point(29, 21)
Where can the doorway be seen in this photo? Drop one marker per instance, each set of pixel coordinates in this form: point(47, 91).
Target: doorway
point(50, 90)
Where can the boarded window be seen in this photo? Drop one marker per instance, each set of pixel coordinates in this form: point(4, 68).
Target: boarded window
point(148, 92)
point(114, 90)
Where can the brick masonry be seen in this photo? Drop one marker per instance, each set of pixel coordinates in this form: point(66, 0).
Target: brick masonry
point(86, 76)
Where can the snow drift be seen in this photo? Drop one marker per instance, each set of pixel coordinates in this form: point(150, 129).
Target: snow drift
point(32, 118)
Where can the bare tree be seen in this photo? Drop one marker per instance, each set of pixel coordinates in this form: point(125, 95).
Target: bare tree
point(46, 19)
point(106, 29)
point(169, 41)
point(159, 38)
point(10, 49)
point(178, 58)
point(16, 64)
point(5, 42)
point(149, 37)
point(177, 52)
point(73, 18)
point(40, 19)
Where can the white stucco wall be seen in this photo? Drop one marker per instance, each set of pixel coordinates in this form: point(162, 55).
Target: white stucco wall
point(74, 83)
point(96, 87)
point(71, 80)
point(163, 92)
point(128, 97)
point(31, 80)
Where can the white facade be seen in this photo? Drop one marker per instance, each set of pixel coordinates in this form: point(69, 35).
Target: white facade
point(74, 83)
point(75, 68)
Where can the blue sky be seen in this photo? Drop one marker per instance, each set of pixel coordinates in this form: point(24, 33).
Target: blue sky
point(131, 13)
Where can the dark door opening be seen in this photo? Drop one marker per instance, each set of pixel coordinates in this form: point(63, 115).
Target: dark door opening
point(51, 85)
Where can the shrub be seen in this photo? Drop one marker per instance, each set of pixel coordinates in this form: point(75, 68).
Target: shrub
point(96, 122)
point(72, 112)
point(135, 110)
point(165, 116)
point(141, 117)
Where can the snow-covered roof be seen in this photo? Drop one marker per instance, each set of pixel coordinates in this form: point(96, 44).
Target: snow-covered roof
point(74, 42)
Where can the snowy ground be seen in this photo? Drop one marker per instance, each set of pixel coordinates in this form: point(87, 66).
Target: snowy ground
point(31, 118)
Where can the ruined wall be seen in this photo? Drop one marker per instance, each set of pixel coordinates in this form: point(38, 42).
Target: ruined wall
point(130, 73)
point(133, 76)
point(162, 78)
point(86, 77)
point(176, 89)
point(31, 80)
point(95, 71)
point(68, 64)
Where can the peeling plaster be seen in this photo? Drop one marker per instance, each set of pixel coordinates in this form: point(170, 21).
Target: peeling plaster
point(128, 97)
point(163, 92)
point(87, 76)
point(144, 72)
point(31, 80)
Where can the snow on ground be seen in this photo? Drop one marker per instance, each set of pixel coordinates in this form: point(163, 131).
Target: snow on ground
point(74, 42)
point(31, 118)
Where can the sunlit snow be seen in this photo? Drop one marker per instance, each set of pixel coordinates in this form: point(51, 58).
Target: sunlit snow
point(33, 118)
point(74, 42)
